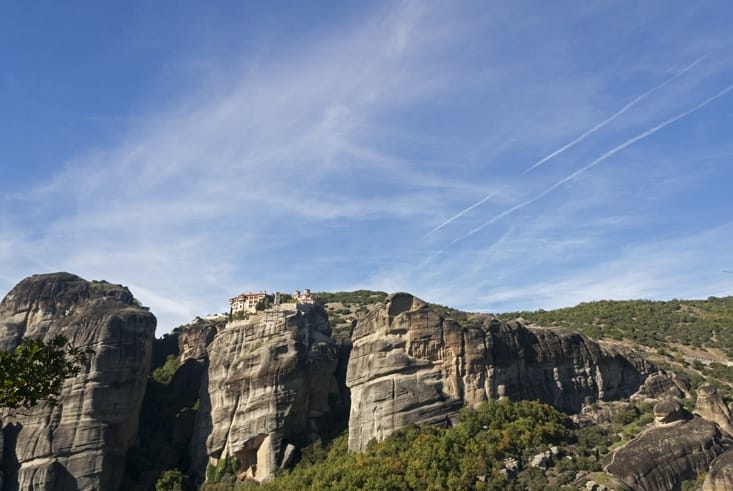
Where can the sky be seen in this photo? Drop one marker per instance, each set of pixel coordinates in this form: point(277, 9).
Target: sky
point(489, 156)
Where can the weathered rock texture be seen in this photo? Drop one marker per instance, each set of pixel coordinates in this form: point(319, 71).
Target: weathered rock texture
point(660, 458)
point(662, 385)
point(410, 364)
point(272, 384)
point(670, 410)
point(195, 338)
point(711, 407)
point(720, 477)
point(81, 442)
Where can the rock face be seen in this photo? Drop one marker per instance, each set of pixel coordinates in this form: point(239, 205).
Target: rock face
point(662, 385)
point(670, 410)
point(272, 384)
point(660, 458)
point(195, 337)
point(711, 407)
point(410, 364)
point(720, 477)
point(81, 442)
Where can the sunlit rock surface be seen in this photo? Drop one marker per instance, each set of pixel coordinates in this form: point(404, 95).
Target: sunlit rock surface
point(80, 443)
point(660, 458)
point(411, 364)
point(272, 382)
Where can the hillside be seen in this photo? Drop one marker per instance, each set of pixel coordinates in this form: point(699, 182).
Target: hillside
point(697, 323)
point(344, 308)
point(694, 337)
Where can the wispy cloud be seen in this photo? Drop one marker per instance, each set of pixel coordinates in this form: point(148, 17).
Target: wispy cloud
point(315, 158)
point(615, 115)
point(577, 140)
point(595, 162)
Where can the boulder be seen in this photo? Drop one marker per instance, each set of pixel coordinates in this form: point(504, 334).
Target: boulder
point(541, 460)
point(662, 385)
point(661, 458)
point(670, 410)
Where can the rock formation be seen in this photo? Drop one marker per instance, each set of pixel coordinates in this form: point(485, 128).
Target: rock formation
point(720, 477)
point(670, 410)
point(272, 386)
point(194, 338)
point(410, 364)
point(81, 442)
point(711, 407)
point(662, 385)
point(660, 458)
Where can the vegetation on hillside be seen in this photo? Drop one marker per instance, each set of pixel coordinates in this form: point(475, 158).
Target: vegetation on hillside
point(693, 338)
point(699, 323)
point(345, 308)
point(490, 448)
point(358, 297)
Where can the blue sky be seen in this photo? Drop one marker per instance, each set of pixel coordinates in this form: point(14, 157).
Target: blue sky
point(490, 156)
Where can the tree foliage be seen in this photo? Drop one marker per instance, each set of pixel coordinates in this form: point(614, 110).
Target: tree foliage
point(173, 480)
point(163, 374)
point(467, 456)
point(358, 297)
point(698, 323)
point(36, 370)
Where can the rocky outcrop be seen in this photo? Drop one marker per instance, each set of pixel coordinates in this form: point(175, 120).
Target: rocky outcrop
point(711, 407)
point(194, 338)
point(411, 364)
point(272, 386)
point(662, 385)
point(81, 442)
point(660, 458)
point(670, 410)
point(720, 477)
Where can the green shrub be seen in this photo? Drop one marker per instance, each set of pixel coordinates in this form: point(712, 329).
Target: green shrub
point(164, 373)
point(173, 480)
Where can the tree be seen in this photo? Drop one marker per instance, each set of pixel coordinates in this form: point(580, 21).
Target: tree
point(36, 370)
point(262, 304)
point(172, 480)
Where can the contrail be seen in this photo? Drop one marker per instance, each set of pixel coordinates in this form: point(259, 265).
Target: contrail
point(597, 161)
point(582, 137)
point(615, 115)
point(461, 213)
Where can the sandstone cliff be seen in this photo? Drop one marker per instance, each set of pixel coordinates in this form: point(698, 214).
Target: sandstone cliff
point(411, 364)
point(272, 385)
point(81, 442)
